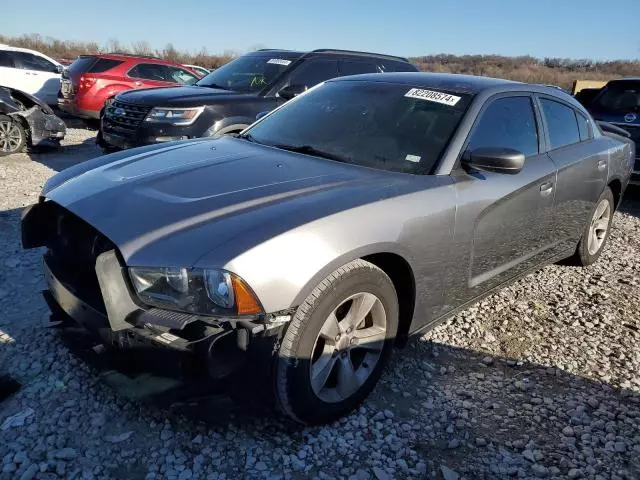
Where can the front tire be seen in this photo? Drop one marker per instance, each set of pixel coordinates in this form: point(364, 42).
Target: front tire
point(335, 348)
point(13, 137)
point(596, 231)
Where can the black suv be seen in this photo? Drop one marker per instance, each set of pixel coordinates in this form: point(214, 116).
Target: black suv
point(229, 99)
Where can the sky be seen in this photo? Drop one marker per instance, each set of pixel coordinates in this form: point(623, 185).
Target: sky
point(541, 28)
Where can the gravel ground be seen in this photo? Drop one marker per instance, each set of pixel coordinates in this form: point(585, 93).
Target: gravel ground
point(541, 380)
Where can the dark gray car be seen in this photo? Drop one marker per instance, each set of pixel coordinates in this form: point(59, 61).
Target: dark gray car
point(363, 211)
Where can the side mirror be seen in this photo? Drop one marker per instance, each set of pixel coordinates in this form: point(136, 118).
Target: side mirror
point(291, 91)
point(261, 114)
point(497, 160)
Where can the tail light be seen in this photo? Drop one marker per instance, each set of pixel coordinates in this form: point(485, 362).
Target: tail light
point(86, 83)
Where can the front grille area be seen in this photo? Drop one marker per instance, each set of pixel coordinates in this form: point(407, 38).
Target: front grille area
point(123, 116)
point(73, 248)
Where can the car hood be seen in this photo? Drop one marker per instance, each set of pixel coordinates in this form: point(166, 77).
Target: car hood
point(182, 96)
point(173, 204)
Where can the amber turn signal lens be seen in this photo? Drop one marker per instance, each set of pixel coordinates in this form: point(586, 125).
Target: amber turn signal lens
point(246, 302)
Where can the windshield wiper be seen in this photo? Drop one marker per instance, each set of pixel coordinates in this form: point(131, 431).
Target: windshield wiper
point(250, 138)
point(309, 150)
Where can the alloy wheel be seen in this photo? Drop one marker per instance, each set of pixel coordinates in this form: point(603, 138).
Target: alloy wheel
point(10, 136)
point(599, 226)
point(348, 347)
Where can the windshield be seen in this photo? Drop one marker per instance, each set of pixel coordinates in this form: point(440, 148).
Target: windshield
point(373, 124)
point(619, 97)
point(247, 74)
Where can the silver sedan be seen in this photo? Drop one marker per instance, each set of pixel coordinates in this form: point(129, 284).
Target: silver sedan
point(363, 211)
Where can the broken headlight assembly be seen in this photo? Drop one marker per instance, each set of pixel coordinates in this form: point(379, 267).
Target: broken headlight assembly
point(199, 291)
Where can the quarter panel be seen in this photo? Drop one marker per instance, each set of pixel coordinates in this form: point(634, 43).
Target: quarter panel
point(580, 183)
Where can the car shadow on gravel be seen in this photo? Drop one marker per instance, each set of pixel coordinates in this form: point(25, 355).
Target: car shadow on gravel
point(445, 406)
point(476, 408)
point(65, 156)
point(631, 201)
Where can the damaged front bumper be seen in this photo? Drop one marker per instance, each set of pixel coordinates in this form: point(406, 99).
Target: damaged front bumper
point(180, 344)
point(44, 127)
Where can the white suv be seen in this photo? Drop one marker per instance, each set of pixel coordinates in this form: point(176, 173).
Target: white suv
point(30, 71)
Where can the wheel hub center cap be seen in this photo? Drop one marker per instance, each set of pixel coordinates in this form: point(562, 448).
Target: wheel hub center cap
point(344, 342)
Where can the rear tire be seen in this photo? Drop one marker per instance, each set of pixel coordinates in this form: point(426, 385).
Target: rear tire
point(13, 137)
point(335, 348)
point(596, 231)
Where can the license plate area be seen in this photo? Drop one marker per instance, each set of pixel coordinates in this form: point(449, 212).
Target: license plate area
point(66, 88)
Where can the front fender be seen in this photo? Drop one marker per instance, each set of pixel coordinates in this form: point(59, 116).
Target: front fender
point(284, 270)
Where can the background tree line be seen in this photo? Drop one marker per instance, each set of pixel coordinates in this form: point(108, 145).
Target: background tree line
point(555, 71)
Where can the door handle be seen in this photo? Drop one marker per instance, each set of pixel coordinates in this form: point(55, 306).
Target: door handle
point(602, 164)
point(546, 188)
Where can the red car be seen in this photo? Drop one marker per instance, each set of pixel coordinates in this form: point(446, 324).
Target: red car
point(93, 79)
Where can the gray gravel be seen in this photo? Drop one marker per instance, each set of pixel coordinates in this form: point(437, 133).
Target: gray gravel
point(540, 380)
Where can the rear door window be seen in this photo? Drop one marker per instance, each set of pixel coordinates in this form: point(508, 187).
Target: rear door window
point(507, 123)
point(313, 72)
point(28, 61)
point(149, 71)
point(356, 68)
point(583, 127)
point(6, 59)
point(561, 123)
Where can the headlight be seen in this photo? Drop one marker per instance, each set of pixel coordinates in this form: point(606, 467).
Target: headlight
point(174, 116)
point(196, 290)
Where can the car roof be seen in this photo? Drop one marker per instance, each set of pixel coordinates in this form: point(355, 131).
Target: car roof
point(327, 51)
point(133, 58)
point(444, 81)
point(469, 84)
point(631, 79)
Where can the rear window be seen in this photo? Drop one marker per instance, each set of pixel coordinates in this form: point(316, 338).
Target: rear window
point(89, 64)
point(103, 64)
point(619, 97)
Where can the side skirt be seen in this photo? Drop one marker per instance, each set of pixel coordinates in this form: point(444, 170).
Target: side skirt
point(431, 325)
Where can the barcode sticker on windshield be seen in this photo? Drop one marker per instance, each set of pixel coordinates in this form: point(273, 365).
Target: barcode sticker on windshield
point(432, 96)
point(413, 158)
point(279, 61)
